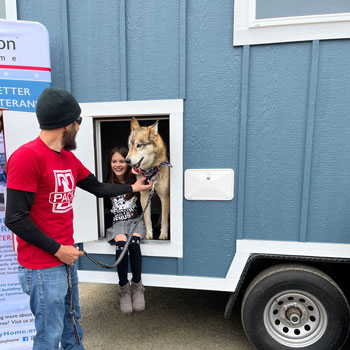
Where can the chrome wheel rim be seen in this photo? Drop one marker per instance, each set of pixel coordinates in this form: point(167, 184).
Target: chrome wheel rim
point(295, 318)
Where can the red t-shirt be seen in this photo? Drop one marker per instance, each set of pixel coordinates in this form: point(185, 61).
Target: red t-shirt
point(52, 176)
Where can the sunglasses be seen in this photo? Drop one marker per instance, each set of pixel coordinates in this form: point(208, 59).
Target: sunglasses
point(79, 120)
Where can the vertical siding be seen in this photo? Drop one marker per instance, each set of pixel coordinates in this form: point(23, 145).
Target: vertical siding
point(211, 126)
point(277, 109)
point(310, 127)
point(329, 218)
point(84, 44)
point(153, 29)
point(94, 50)
point(240, 175)
point(113, 50)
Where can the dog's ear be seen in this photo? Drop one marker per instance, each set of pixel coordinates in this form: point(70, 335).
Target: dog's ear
point(134, 124)
point(154, 128)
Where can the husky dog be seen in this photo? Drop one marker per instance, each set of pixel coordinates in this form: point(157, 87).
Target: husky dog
point(148, 157)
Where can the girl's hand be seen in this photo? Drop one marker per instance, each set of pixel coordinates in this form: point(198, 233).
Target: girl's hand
point(139, 185)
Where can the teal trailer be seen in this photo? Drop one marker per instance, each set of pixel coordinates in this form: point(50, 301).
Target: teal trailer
point(253, 101)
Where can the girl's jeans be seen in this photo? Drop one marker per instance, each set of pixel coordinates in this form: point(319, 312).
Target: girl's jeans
point(50, 302)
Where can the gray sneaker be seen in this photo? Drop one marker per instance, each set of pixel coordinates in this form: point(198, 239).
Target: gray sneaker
point(138, 298)
point(125, 299)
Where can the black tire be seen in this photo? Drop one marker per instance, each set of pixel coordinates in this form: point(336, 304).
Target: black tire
point(294, 306)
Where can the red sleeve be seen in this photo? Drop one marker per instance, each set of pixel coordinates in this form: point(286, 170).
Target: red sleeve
point(23, 170)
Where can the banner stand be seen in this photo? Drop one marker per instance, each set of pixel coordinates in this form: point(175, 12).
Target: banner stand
point(24, 72)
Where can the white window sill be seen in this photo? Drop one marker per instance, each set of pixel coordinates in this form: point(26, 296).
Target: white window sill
point(148, 248)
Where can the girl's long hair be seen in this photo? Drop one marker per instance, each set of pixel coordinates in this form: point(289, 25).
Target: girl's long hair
point(128, 177)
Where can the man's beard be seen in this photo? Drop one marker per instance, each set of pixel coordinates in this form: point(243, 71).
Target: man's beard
point(68, 140)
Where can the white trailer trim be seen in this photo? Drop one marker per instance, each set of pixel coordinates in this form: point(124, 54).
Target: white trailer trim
point(133, 108)
point(326, 250)
point(168, 281)
point(11, 10)
point(245, 248)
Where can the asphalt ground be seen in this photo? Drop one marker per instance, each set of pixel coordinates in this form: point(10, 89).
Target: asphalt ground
point(174, 319)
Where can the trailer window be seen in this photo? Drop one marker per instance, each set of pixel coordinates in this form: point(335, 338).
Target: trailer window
point(266, 9)
point(110, 123)
point(273, 21)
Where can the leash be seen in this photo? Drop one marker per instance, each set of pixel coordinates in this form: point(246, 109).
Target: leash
point(71, 304)
point(105, 266)
point(148, 174)
point(121, 256)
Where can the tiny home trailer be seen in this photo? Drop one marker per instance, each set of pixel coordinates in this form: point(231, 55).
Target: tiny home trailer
point(252, 100)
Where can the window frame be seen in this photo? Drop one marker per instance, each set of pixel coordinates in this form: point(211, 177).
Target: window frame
point(173, 109)
point(10, 9)
point(251, 31)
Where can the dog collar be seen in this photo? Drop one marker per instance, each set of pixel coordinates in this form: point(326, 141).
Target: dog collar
point(150, 173)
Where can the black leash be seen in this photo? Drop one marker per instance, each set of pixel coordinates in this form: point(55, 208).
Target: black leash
point(125, 248)
point(105, 266)
point(71, 304)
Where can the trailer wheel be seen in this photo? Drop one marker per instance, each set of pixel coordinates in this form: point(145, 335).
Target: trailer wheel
point(295, 307)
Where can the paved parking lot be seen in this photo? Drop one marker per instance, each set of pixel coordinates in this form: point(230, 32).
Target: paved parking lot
point(174, 319)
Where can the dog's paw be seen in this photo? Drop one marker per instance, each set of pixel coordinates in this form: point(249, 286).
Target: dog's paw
point(149, 236)
point(163, 236)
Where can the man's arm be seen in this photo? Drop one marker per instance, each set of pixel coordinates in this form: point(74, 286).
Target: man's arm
point(18, 206)
point(99, 189)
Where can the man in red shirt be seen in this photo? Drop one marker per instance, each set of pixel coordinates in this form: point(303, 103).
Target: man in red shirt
point(42, 176)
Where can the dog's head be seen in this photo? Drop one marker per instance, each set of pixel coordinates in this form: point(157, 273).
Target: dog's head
point(144, 143)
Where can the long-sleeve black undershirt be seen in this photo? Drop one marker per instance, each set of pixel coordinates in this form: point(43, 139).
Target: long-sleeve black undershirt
point(19, 204)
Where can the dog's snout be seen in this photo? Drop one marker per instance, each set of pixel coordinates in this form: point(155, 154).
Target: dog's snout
point(127, 161)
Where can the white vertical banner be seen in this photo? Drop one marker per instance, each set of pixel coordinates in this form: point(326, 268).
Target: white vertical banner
point(24, 72)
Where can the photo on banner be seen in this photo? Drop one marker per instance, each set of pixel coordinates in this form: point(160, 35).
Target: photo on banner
point(24, 72)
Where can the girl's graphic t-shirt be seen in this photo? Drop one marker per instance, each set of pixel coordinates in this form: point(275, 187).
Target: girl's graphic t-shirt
point(52, 176)
point(123, 209)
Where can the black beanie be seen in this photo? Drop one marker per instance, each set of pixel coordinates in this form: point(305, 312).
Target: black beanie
point(56, 108)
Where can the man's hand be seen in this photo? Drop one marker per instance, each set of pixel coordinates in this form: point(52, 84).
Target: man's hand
point(68, 254)
point(139, 185)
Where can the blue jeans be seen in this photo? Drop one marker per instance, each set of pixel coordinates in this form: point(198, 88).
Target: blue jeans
point(50, 303)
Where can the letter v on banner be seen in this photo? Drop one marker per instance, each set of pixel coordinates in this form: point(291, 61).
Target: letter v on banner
point(24, 72)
